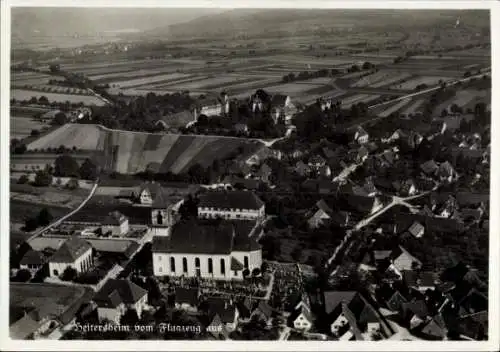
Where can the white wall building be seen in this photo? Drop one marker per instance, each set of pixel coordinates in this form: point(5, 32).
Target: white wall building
point(215, 249)
point(231, 205)
point(75, 253)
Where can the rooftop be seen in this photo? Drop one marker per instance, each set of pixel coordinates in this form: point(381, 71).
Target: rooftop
point(230, 200)
point(114, 292)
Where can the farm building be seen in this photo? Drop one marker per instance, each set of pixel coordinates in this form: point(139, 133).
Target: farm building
point(212, 106)
point(238, 205)
point(211, 249)
point(116, 223)
point(75, 253)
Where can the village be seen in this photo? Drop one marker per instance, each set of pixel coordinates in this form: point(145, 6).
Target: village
point(357, 213)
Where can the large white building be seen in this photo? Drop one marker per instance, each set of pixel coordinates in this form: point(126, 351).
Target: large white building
point(217, 249)
point(75, 253)
point(231, 205)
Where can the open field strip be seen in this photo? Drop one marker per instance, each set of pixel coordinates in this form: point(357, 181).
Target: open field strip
point(349, 100)
point(137, 151)
point(413, 83)
point(353, 75)
point(84, 137)
point(290, 88)
point(24, 94)
point(394, 108)
point(413, 107)
point(21, 127)
point(211, 83)
point(370, 79)
point(183, 159)
point(125, 74)
point(396, 77)
point(124, 141)
point(311, 98)
point(225, 84)
point(146, 80)
point(168, 83)
point(249, 85)
point(181, 144)
point(159, 154)
point(59, 89)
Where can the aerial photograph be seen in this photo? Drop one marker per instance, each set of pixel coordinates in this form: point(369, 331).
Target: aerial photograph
point(270, 174)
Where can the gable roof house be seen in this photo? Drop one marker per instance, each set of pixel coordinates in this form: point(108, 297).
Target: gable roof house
point(32, 261)
point(301, 317)
point(282, 108)
point(360, 135)
point(231, 205)
point(446, 172)
point(150, 193)
point(397, 260)
point(263, 311)
point(226, 311)
point(116, 223)
point(349, 314)
point(415, 313)
point(75, 253)
point(323, 213)
point(116, 296)
point(361, 204)
point(212, 105)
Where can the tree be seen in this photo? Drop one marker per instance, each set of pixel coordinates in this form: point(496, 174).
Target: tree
point(60, 118)
point(30, 224)
point(43, 100)
point(66, 166)
point(43, 178)
point(72, 184)
point(246, 273)
point(55, 68)
point(34, 133)
point(44, 217)
point(23, 179)
point(256, 272)
point(23, 275)
point(69, 274)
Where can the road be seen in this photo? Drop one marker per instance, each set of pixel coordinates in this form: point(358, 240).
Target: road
point(71, 213)
point(363, 222)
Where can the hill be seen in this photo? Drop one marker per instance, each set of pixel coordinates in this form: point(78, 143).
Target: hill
point(268, 22)
point(131, 152)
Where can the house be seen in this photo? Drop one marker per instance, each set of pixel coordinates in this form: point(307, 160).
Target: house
point(264, 173)
point(263, 311)
point(75, 253)
point(231, 205)
point(415, 313)
point(116, 223)
point(429, 167)
point(316, 161)
point(259, 156)
point(421, 280)
point(282, 108)
point(435, 329)
point(212, 105)
point(446, 172)
point(211, 249)
point(302, 169)
point(407, 187)
point(245, 307)
point(360, 135)
point(361, 154)
point(398, 259)
point(32, 261)
point(325, 171)
point(319, 186)
point(148, 192)
point(116, 297)
point(417, 230)
point(301, 316)
point(323, 212)
point(187, 298)
point(226, 311)
point(369, 187)
point(241, 128)
point(347, 312)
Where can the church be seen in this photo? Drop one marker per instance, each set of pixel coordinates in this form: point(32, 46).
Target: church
point(220, 247)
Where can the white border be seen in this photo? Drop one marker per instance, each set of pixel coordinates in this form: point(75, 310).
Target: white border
point(491, 345)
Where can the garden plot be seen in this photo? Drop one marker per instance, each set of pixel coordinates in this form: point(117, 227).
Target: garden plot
point(394, 108)
point(83, 137)
point(25, 94)
point(413, 83)
point(147, 80)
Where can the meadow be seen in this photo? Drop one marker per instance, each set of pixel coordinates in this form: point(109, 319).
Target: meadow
point(24, 94)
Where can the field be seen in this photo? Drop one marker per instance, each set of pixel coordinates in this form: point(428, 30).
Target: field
point(24, 94)
point(413, 83)
point(132, 152)
point(20, 210)
point(21, 127)
point(379, 79)
point(47, 195)
point(394, 108)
